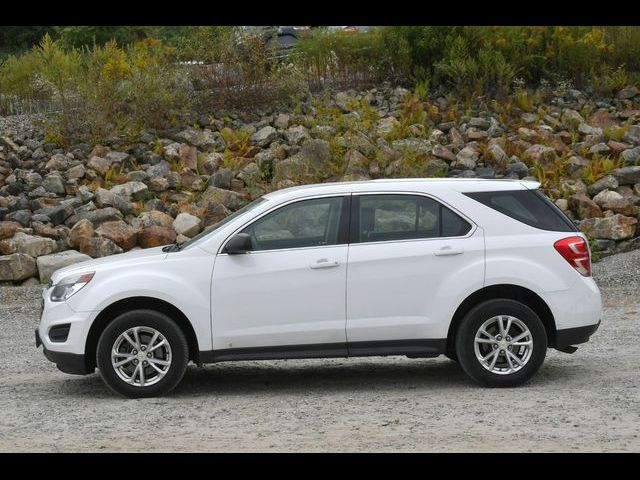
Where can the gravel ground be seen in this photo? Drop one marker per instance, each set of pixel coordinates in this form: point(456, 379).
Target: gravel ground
point(588, 401)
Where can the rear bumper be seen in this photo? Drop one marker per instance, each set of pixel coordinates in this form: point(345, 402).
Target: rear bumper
point(573, 336)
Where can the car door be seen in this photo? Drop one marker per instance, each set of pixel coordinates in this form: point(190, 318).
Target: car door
point(289, 291)
point(410, 257)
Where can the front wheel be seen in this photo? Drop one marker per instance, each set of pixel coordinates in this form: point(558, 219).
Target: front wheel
point(501, 343)
point(142, 353)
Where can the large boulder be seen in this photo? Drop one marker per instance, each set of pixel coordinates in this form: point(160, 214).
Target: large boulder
point(54, 183)
point(99, 164)
point(444, 153)
point(228, 198)
point(47, 264)
point(202, 139)
point(316, 153)
point(156, 236)
point(627, 175)
point(121, 233)
point(614, 227)
point(83, 230)
point(132, 191)
point(187, 224)
point(632, 135)
point(97, 247)
point(189, 156)
point(387, 125)
point(631, 156)
point(96, 216)
point(610, 200)
point(606, 182)
point(628, 93)
point(540, 154)
point(296, 135)
point(466, 158)
point(17, 267)
point(263, 137)
point(480, 123)
point(33, 245)
point(8, 229)
point(59, 213)
point(584, 206)
point(357, 165)
point(153, 218)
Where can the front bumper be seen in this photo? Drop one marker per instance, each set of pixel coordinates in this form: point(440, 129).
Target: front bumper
point(72, 363)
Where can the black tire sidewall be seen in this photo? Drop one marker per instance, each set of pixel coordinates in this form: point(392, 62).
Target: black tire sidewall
point(143, 318)
point(472, 322)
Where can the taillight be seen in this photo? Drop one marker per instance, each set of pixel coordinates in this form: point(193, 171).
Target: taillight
point(575, 250)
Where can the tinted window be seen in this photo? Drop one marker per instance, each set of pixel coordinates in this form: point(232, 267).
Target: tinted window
point(530, 207)
point(307, 223)
point(401, 217)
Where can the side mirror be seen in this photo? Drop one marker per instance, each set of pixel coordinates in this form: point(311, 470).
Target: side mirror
point(239, 243)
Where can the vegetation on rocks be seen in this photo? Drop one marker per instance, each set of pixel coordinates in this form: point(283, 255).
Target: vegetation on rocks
point(140, 153)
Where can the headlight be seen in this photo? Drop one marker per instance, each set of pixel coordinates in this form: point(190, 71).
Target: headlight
point(68, 286)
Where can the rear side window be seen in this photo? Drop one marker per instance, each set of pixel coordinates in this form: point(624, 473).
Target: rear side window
point(531, 207)
point(385, 217)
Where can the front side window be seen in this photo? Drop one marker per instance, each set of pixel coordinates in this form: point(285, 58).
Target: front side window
point(307, 223)
point(216, 226)
point(401, 217)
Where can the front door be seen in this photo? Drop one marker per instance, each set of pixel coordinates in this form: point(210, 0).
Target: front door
point(288, 293)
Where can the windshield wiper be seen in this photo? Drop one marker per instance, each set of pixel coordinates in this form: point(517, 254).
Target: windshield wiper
point(176, 247)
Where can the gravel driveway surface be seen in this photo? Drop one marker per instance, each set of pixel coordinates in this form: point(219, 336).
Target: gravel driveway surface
point(588, 401)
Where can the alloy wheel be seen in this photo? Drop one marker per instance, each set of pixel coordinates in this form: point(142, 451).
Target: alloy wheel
point(141, 356)
point(503, 344)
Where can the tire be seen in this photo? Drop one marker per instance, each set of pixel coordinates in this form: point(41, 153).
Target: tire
point(506, 371)
point(170, 347)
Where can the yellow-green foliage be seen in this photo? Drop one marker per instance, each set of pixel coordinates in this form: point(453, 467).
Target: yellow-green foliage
point(616, 132)
point(336, 167)
point(550, 178)
point(100, 89)
point(114, 175)
point(524, 100)
point(158, 147)
point(599, 166)
point(413, 113)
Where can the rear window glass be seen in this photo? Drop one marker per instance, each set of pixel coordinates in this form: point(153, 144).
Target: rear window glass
point(531, 207)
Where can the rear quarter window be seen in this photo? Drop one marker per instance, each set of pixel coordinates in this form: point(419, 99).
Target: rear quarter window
point(530, 207)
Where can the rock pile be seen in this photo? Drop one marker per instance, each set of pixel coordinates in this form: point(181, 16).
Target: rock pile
point(63, 205)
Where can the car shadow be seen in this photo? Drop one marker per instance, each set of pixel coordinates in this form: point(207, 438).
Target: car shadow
point(316, 377)
point(291, 377)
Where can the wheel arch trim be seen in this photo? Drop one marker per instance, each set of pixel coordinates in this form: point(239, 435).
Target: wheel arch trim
point(109, 313)
point(505, 291)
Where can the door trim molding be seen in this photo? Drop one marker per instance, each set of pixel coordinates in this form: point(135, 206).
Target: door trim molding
point(419, 348)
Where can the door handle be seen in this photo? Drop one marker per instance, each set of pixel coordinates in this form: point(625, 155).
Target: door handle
point(324, 263)
point(449, 250)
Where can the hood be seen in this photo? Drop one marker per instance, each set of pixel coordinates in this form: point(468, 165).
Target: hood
point(128, 260)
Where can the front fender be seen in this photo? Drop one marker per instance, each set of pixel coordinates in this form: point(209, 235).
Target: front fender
point(182, 281)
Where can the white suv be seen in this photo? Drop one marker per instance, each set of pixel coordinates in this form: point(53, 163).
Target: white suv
point(488, 272)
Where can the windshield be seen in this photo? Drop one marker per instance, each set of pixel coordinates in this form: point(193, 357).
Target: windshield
point(212, 228)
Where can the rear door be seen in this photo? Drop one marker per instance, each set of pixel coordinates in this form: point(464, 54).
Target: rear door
point(409, 257)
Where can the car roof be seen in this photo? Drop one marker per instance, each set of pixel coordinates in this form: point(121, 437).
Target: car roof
point(406, 184)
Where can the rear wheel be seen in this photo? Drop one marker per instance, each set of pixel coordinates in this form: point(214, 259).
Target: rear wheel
point(501, 343)
point(142, 353)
